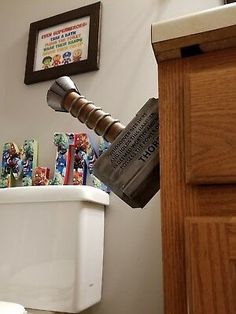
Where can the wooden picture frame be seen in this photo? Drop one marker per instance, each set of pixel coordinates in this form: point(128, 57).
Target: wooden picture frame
point(64, 44)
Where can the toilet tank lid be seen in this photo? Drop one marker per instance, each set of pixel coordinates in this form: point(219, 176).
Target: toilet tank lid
point(11, 308)
point(53, 193)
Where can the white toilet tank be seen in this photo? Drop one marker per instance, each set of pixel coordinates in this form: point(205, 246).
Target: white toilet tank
point(51, 246)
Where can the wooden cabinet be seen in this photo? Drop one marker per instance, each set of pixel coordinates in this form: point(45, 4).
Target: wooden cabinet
point(197, 109)
point(210, 250)
point(210, 117)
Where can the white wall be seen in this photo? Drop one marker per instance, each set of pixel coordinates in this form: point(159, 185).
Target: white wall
point(126, 79)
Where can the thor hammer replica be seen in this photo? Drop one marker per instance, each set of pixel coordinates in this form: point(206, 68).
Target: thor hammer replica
point(130, 167)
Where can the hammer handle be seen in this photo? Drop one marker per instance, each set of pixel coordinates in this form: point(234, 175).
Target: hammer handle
point(94, 118)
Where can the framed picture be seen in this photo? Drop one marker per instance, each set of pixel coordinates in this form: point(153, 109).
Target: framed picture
point(64, 44)
point(229, 1)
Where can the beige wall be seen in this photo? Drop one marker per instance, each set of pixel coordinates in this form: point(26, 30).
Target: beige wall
point(126, 79)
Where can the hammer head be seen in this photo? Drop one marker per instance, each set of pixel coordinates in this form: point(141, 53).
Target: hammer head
point(130, 167)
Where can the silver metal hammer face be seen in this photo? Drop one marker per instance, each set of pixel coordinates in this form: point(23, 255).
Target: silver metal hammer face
point(130, 167)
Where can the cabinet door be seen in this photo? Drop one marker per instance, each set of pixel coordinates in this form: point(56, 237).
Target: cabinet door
point(210, 115)
point(211, 265)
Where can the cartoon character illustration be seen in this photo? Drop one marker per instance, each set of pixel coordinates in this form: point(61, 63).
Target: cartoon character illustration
point(66, 57)
point(29, 159)
point(81, 148)
point(57, 180)
point(26, 181)
point(84, 157)
point(11, 160)
point(28, 148)
point(56, 60)
point(91, 159)
point(86, 151)
point(103, 146)
point(77, 55)
point(27, 167)
point(78, 177)
point(61, 141)
point(19, 162)
point(63, 155)
point(4, 179)
point(82, 142)
point(40, 176)
point(61, 163)
point(78, 160)
point(46, 62)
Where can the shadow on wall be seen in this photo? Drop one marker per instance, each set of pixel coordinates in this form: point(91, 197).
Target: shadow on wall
point(92, 310)
point(13, 70)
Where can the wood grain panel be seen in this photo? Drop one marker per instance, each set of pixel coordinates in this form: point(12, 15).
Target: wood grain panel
point(175, 202)
point(210, 120)
point(178, 198)
point(210, 270)
point(231, 229)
